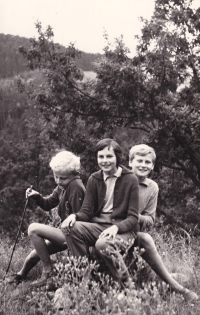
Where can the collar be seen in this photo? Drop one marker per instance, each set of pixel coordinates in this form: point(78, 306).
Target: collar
point(69, 180)
point(145, 182)
point(99, 174)
point(117, 174)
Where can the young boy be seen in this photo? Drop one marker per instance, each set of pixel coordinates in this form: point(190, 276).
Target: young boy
point(142, 159)
point(67, 197)
point(109, 215)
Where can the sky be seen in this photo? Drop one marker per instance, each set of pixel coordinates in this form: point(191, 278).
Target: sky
point(82, 22)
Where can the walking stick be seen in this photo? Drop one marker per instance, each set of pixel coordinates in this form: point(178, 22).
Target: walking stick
point(22, 219)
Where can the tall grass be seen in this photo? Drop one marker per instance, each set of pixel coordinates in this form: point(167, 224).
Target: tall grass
point(83, 294)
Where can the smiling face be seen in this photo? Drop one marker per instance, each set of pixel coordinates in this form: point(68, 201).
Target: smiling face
point(62, 178)
point(107, 160)
point(142, 165)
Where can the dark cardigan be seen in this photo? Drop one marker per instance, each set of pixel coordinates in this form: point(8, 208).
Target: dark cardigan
point(67, 201)
point(125, 201)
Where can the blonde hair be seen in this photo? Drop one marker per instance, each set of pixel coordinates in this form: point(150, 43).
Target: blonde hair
point(65, 161)
point(142, 149)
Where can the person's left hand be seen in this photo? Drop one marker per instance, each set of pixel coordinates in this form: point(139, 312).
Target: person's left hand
point(69, 222)
point(110, 232)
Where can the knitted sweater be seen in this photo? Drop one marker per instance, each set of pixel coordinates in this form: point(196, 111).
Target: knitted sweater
point(67, 201)
point(148, 196)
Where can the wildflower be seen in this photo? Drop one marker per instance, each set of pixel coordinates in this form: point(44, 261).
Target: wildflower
point(120, 296)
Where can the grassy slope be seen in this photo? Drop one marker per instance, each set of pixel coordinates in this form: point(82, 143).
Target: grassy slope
point(149, 297)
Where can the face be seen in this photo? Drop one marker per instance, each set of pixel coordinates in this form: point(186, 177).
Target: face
point(62, 178)
point(142, 165)
point(107, 161)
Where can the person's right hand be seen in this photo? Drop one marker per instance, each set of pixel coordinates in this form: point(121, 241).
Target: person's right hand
point(69, 222)
point(30, 192)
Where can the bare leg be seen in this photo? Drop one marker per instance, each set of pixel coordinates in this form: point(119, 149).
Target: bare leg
point(154, 260)
point(38, 233)
point(152, 257)
point(32, 259)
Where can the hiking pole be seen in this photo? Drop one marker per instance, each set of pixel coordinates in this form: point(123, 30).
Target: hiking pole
point(22, 219)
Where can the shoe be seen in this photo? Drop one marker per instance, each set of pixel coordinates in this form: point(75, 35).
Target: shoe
point(189, 295)
point(15, 279)
point(46, 279)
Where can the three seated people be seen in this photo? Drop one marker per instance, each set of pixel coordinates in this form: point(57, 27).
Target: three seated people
point(119, 205)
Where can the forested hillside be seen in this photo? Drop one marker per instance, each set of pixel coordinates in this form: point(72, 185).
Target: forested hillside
point(13, 63)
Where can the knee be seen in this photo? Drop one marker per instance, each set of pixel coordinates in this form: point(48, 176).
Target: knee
point(77, 229)
point(33, 228)
point(145, 240)
point(101, 245)
point(72, 232)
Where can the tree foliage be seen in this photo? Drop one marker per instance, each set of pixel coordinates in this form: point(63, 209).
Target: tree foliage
point(170, 53)
point(156, 91)
point(152, 97)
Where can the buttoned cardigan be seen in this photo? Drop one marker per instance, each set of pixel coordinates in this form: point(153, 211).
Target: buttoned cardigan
point(125, 200)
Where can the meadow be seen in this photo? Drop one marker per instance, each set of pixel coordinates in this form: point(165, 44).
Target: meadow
point(82, 293)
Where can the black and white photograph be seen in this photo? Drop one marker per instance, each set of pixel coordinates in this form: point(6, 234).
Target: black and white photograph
point(99, 157)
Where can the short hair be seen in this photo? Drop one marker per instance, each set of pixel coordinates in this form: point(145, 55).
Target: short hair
point(142, 149)
point(65, 161)
point(110, 143)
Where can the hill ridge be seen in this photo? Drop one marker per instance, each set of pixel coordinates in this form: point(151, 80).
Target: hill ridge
point(13, 63)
